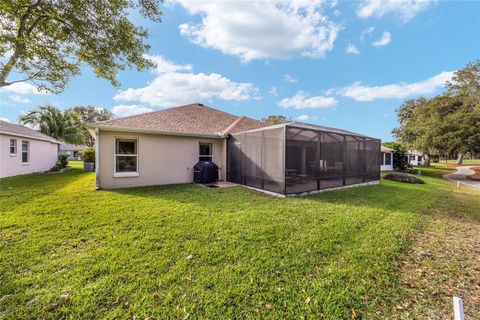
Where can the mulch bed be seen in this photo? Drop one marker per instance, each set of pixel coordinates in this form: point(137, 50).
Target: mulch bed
point(476, 175)
point(405, 178)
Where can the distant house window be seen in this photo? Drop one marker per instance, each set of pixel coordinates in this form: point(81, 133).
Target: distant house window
point(126, 156)
point(13, 146)
point(388, 159)
point(205, 152)
point(383, 158)
point(25, 151)
point(419, 158)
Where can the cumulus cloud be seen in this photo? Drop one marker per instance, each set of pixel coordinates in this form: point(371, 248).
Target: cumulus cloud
point(302, 101)
point(262, 29)
point(303, 117)
point(384, 40)
point(352, 49)
point(290, 79)
point(402, 90)
point(366, 32)
point(129, 110)
point(22, 88)
point(19, 99)
point(404, 9)
point(172, 86)
point(5, 119)
point(164, 65)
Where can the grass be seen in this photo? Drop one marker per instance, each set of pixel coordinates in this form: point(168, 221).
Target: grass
point(187, 251)
point(465, 161)
point(75, 164)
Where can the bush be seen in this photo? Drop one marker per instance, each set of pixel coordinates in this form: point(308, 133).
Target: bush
point(405, 178)
point(57, 167)
point(88, 155)
point(62, 160)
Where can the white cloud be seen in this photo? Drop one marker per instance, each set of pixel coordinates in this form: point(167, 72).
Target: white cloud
point(404, 9)
point(5, 119)
point(401, 90)
point(19, 99)
point(262, 29)
point(366, 32)
point(290, 79)
point(164, 65)
point(172, 87)
point(352, 49)
point(273, 91)
point(302, 101)
point(22, 88)
point(384, 40)
point(302, 117)
point(129, 110)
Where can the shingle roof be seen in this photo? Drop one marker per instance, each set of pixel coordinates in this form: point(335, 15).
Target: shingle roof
point(386, 149)
point(71, 147)
point(18, 130)
point(189, 119)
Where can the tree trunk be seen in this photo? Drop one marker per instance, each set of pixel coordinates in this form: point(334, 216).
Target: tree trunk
point(426, 160)
point(460, 158)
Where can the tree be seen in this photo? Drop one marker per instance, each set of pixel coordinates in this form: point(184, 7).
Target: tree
point(276, 119)
point(65, 126)
point(50, 40)
point(445, 124)
point(91, 114)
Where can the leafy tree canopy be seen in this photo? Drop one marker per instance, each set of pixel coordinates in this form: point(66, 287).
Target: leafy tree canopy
point(61, 125)
point(48, 41)
point(91, 114)
point(276, 119)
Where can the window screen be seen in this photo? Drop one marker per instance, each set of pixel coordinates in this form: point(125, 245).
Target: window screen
point(13, 146)
point(25, 151)
point(126, 156)
point(205, 152)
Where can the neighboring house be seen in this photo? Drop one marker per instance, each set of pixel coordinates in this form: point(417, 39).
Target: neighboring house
point(162, 147)
point(414, 157)
point(72, 151)
point(24, 150)
point(386, 159)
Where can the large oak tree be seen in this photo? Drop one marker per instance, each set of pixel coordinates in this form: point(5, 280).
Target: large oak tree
point(47, 42)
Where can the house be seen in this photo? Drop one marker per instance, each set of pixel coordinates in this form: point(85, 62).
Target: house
point(414, 157)
point(162, 147)
point(72, 151)
point(386, 159)
point(24, 150)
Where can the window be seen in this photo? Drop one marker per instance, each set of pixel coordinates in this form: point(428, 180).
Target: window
point(126, 157)
point(388, 159)
point(419, 158)
point(25, 151)
point(13, 146)
point(382, 159)
point(205, 152)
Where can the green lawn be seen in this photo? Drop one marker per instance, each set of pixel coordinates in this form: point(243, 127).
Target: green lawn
point(75, 164)
point(465, 161)
point(187, 251)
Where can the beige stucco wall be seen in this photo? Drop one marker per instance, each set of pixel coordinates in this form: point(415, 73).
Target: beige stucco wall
point(161, 159)
point(42, 156)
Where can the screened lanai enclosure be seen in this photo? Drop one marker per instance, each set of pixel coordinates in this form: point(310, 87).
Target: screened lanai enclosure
point(297, 158)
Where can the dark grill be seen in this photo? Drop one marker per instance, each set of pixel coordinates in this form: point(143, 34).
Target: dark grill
point(205, 172)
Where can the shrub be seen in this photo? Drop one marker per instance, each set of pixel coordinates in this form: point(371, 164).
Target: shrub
point(405, 178)
point(62, 160)
point(57, 167)
point(88, 155)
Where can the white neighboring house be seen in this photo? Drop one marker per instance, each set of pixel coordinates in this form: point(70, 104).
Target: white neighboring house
point(386, 162)
point(415, 158)
point(23, 150)
point(72, 151)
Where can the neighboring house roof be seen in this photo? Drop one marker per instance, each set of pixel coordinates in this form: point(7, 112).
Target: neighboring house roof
point(386, 149)
point(22, 131)
point(192, 119)
point(71, 147)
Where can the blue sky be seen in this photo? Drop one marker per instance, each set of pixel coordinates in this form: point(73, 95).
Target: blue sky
point(341, 64)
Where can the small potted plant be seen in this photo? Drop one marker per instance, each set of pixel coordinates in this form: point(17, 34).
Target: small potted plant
point(88, 157)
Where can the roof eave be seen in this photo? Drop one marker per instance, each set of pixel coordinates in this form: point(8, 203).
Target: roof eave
point(21, 135)
point(214, 135)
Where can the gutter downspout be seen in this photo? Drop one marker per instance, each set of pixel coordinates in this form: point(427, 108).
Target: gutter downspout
point(97, 159)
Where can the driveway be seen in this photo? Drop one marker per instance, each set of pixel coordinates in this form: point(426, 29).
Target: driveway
point(461, 176)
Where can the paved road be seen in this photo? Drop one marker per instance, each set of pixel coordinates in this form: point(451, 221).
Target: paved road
point(461, 176)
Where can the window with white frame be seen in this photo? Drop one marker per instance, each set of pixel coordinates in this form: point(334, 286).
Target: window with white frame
point(388, 159)
point(126, 156)
point(205, 152)
point(25, 151)
point(13, 146)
